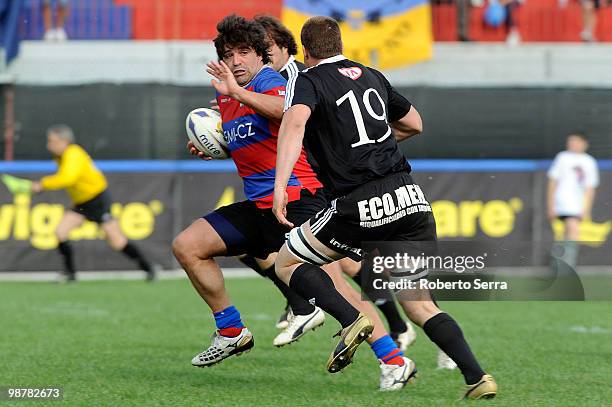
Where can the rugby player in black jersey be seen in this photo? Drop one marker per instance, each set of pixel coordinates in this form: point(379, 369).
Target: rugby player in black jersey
point(352, 119)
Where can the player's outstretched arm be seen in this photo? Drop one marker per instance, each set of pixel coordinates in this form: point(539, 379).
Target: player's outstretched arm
point(66, 175)
point(17, 185)
point(289, 147)
point(408, 126)
point(268, 106)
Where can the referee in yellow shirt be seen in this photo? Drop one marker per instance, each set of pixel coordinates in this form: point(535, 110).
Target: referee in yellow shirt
point(87, 188)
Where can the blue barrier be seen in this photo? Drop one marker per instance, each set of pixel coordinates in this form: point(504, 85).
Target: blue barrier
point(151, 166)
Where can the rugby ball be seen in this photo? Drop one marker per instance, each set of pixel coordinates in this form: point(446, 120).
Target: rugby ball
point(205, 132)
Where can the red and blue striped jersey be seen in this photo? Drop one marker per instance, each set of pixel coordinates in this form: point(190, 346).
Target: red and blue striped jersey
point(251, 139)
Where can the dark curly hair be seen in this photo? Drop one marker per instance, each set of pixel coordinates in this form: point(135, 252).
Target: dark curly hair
point(237, 31)
point(278, 32)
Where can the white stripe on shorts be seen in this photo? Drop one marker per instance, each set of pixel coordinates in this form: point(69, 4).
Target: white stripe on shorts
point(320, 223)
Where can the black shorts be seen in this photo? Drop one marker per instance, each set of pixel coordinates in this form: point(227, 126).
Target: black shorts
point(388, 209)
point(563, 217)
point(247, 229)
point(596, 3)
point(97, 209)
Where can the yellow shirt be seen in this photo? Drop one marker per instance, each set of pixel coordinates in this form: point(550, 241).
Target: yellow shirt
point(77, 174)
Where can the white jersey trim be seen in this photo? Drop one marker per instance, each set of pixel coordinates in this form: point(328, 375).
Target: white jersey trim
point(290, 61)
point(290, 88)
point(291, 81)
point(329, 60)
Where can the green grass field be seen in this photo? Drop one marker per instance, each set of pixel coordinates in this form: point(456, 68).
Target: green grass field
point(123, 343)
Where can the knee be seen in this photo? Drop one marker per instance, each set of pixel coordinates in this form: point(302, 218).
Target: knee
point(283, 264)
point(117, 244)
point(61, 236)
point(182, 249)
point(186, 251)
point(420, 311)
point(350, 267)
point(572, 229)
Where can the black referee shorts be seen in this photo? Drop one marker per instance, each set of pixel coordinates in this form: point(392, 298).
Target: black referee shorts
point(389, 209)
point(247, 229)
point(97, 209)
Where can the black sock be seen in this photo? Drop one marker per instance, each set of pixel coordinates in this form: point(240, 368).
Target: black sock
point(393, 317)
point(310, 281)
point(251, 263)
point(133, 253)
point(445, 332)
point(388, 308)
point(66, 251)
point(299, 306)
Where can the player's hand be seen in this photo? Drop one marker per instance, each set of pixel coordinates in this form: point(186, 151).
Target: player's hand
point(36, 187)
point(225, 82)
point(551, 214)
point(586, 215)
point(214, 105)
point(279, 207)
point(194, 151)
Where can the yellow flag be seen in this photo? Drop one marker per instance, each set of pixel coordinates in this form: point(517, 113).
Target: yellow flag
point(380, 34)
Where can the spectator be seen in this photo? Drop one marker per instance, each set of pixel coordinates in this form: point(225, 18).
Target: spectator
point(463, 16)
point(55, 32)
point(513, 36)
point(463, 20)
point(500, 12)
point(589, 19)
point(572, 181)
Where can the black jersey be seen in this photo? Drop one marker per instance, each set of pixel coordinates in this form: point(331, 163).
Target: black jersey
point(290, 71)
point(348, 132)
point(291, 68)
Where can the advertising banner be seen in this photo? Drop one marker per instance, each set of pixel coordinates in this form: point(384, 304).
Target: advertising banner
point(153, 207)
point(142, 203)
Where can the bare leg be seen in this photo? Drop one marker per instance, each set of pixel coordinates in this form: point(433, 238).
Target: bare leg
point(69, 221)
point(572, 229)
point(114, 237)
point(46, 11)
point(318, 285)
point(287, 263)
point(118, 242)
point(419, 306)
point(571, 236)
point(62, 12)
point(589, 20)
point(442, 330)
point(349, 266)
point(195, 248)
